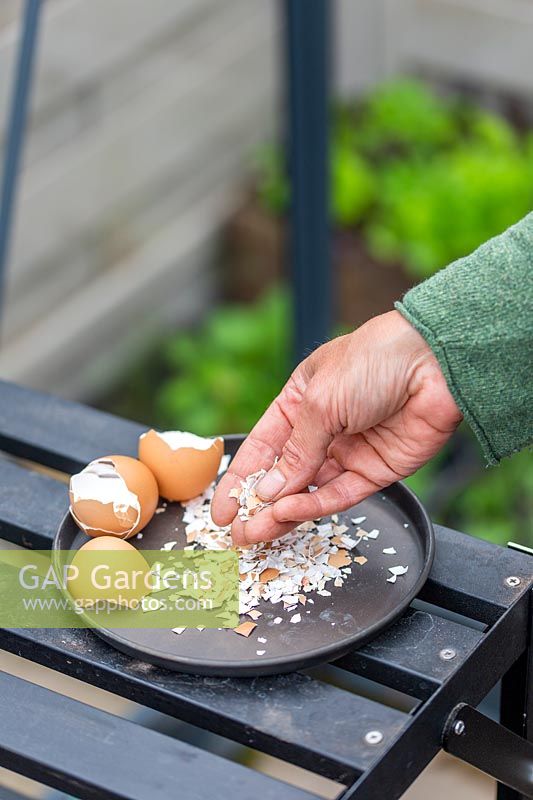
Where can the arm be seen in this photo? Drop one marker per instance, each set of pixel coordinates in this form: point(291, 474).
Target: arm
point(477, 317)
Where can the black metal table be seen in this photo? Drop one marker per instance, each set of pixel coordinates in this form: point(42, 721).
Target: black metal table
point(375, 750)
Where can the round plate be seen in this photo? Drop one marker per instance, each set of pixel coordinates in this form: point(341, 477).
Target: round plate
point(364, 606)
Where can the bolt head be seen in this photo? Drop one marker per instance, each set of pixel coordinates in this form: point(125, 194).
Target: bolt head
point(373, 737)
point(459, 727)
point(447, 654)
point(513, 581)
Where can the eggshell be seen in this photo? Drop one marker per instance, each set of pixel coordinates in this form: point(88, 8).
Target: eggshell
point(113, 495)
point(116, 561)
point(183, 464)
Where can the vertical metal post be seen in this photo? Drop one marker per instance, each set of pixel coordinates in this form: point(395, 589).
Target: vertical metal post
point(308, 72)
point(16, 129)
point(516, 702)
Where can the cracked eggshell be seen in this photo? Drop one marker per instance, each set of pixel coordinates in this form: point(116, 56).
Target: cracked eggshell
point(184, 464)
point(113, 496)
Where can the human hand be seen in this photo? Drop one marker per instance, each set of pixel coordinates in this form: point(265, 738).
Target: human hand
point(361, 412)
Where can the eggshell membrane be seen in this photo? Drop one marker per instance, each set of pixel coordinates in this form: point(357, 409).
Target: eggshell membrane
point(98, 519)
point(183, 473)
point(81, 587)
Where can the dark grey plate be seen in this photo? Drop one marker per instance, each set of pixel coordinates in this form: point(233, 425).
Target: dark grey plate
point(330, 628)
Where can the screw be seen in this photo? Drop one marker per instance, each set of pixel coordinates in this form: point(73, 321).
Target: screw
point(373, 737)
point(459, 727)
point(513, 581)
point(447, 654)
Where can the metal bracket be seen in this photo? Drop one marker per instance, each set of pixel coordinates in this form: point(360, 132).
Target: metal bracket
point(488, 746)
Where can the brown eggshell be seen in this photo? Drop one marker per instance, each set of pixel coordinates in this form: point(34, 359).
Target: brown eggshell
point(118, 558)
point(99, 519)
point(183, 473)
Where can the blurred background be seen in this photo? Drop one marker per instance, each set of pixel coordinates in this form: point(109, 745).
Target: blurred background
point(148, 273)
point(148, 268)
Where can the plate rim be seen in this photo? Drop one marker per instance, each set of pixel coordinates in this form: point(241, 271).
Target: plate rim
point(281, 664)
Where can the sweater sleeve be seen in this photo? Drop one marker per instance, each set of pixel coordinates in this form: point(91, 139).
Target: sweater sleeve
point(477, 317)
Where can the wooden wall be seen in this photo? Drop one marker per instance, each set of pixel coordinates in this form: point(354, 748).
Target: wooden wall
point(143, 119)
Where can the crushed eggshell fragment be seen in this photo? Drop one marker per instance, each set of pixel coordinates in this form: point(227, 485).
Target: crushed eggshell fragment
point(389, 551)
point(245, 628)
point(224, 463)
point(286, 571)
point(249, 501)
point(269, 574)
point(360, 560)
point(340, 559)
point(399, 570)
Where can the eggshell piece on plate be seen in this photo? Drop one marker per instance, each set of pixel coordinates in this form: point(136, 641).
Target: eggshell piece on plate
point(113, 496)
point(184, 464)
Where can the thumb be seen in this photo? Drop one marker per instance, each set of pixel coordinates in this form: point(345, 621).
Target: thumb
point(303, 454)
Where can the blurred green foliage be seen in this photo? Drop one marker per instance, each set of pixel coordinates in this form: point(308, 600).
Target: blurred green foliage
point(224, 375)
point(425, 179)
point(498, 505)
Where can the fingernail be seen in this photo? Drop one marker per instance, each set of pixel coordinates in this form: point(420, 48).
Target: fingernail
point(271, 485)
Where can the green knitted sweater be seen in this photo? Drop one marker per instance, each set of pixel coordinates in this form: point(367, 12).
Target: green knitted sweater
point(477, 317)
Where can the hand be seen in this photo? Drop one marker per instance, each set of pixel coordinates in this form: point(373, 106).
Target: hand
point(363, 411)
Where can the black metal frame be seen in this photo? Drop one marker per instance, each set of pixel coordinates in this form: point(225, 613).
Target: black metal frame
point(15, 136)
point(375, 750)
point(492, 748)
point(308, 39)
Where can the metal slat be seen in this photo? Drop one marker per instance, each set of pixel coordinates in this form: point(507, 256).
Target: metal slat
point(395, 770)
point(416, 655)
point(283, 715)
point(58, 433)
point(31, 506)
point(469, 576)
point(76, 748)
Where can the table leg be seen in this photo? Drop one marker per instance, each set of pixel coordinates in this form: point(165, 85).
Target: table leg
point(516, 702)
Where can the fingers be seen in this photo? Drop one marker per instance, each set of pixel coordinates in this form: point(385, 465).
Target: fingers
point(262, 528)
point(304, 452)
point(258, 451)
point(265, 526)
point(340, 487)
point(341, 493)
